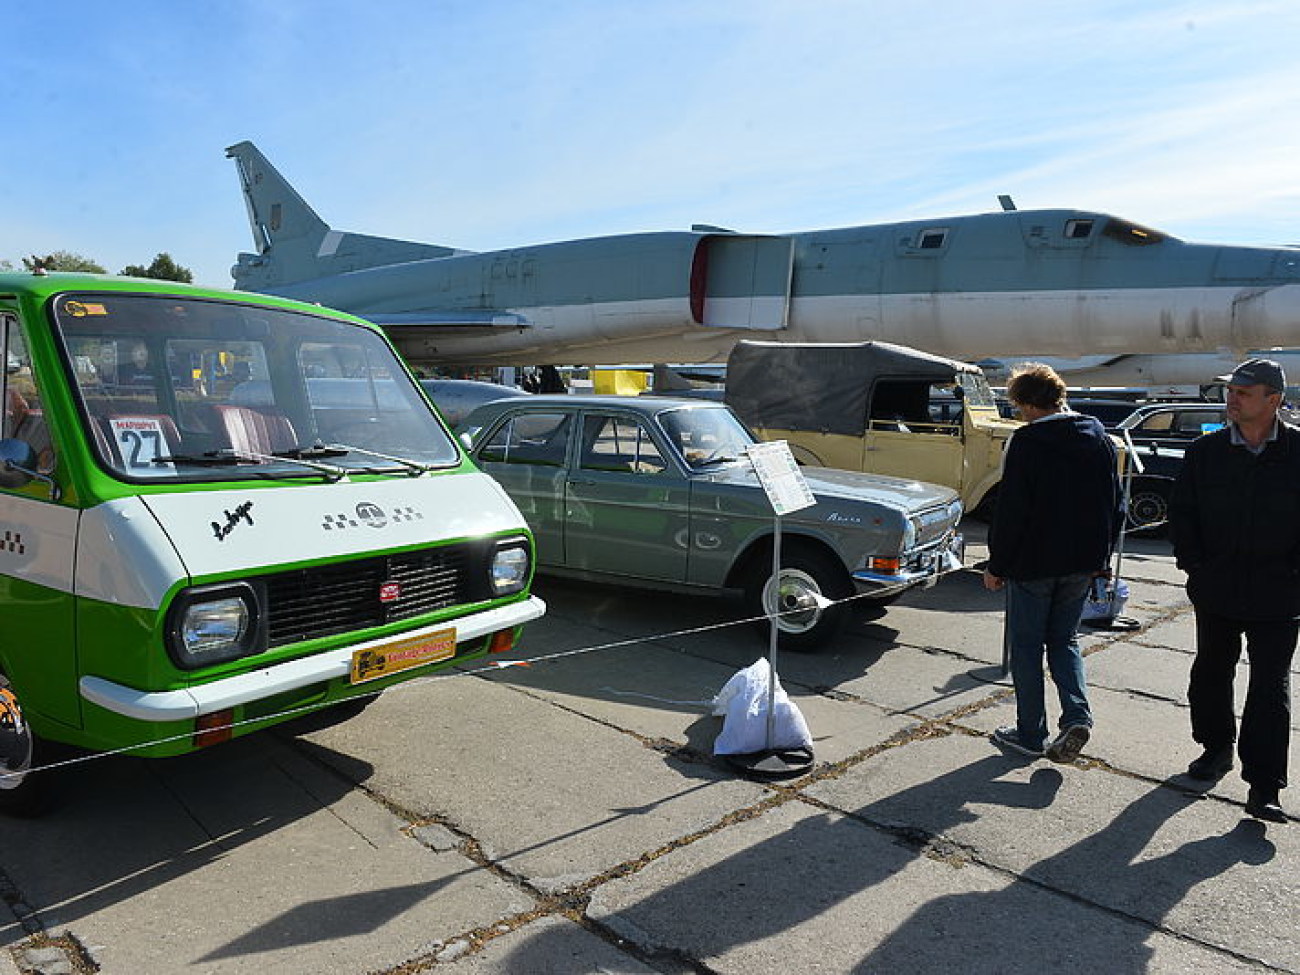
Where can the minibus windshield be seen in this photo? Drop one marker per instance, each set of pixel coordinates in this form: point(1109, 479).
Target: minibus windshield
point(193, 389)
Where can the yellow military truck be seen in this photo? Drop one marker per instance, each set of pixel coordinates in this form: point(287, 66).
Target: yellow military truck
point(876, 407)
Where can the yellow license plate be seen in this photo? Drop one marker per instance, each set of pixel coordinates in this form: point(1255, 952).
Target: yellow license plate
point(391, 658)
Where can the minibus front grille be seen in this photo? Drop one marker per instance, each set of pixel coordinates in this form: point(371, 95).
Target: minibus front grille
point(326, 600)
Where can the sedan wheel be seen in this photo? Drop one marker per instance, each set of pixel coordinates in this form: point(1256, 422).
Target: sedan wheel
point(1148, 508)
point(804, 598)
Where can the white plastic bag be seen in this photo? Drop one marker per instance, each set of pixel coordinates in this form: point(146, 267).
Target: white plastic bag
point(743, 704)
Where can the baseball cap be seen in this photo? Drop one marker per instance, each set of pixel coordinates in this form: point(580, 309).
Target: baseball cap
point(1262, 372)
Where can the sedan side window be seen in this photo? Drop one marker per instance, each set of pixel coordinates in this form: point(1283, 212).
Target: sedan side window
point(1158, 423)
point(619, 443)
point(530, 438)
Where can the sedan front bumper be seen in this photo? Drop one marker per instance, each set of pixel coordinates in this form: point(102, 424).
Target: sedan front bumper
point(922, 567)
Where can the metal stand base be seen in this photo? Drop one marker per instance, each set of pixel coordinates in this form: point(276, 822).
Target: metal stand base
point(991, 674)
point(776, 763)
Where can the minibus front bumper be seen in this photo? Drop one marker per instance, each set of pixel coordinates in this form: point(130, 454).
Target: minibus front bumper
point(188, 703)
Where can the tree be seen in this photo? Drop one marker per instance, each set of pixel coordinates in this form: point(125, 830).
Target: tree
point(63, 261)
point(163, 268)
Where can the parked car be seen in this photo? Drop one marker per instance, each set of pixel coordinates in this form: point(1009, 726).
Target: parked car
point(1148, 499)
point(658, 492)
point(1109, 411)
point(455, 398)
point(874, 406)
point(1172, 423)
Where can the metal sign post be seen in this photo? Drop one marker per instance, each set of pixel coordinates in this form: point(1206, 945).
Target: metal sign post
point(786, 491)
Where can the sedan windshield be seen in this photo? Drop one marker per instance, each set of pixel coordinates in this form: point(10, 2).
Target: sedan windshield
point(706, 435)
point(186, 389)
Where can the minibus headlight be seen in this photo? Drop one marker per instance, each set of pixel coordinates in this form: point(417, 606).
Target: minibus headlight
point(210, 626)
point(509, 570)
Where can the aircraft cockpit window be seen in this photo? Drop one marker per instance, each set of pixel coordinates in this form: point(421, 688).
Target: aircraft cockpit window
point(1078, 229)
point(932, 239)
point(1131, 233)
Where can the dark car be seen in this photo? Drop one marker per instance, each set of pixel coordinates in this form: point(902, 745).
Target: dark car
point(1148, 500)
point(1109, 411)
point(1172, 423)
point(661, 493)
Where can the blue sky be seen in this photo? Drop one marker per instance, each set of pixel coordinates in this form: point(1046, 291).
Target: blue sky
point(492, 123)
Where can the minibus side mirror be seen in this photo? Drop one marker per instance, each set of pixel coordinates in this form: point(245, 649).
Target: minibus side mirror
point(18, 467)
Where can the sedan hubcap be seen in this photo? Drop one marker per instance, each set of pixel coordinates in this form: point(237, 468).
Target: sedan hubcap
point(798, 599)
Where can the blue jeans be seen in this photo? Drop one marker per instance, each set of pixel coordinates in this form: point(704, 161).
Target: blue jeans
point(1042, 616)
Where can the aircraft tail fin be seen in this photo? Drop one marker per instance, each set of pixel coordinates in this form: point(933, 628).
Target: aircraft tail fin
point(293, 243)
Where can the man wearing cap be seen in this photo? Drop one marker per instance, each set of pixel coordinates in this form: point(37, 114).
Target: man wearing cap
point(1234, 516)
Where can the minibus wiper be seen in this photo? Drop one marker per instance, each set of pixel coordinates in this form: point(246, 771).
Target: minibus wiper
point(412, 468)
point(232, 456)
point(313, 452)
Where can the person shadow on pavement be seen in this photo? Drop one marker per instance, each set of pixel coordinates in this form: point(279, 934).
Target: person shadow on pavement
point(1035, 924)
point(1096, 904)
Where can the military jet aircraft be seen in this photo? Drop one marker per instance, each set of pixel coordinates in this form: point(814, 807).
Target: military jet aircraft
point(1058, 282)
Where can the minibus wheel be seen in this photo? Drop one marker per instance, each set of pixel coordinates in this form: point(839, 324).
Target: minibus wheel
point(21, 793)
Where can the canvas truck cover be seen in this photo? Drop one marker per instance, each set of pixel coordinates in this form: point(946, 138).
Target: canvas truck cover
point(823, 386)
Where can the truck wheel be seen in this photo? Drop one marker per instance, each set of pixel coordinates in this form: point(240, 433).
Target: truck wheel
point(21, 794)
point(807, 575)
point(1148, 507)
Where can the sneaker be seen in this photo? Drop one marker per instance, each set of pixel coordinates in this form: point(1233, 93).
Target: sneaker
point(1213, 764)
point(1262, 804)
point(1009, 737)
point(1066, 746)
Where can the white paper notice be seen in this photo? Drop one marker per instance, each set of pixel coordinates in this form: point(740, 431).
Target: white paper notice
point(780, 476)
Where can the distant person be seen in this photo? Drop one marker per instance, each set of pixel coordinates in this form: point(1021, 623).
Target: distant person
point(1234, 515)
point(1058, 514)
point(138, 371)
point(551, 381)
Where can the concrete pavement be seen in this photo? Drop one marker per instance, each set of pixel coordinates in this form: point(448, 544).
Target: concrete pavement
point(569, 817)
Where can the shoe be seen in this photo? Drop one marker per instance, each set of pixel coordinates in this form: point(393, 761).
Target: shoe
point(1009, 737)
point(1213, 764)
point(1066, 746)
point(1262, 803)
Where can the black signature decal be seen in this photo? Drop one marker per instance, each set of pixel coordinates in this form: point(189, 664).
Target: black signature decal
point(233, 518)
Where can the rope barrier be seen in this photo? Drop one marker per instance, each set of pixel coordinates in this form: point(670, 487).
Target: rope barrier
point(488, 668)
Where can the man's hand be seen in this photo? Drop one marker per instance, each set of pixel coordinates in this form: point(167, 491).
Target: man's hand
point(993, 583)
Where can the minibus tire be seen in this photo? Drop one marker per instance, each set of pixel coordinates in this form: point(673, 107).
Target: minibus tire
point(19, 749)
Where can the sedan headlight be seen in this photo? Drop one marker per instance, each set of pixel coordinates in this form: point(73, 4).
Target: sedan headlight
point(508, 572)
point(909, 535)
point(211, 625)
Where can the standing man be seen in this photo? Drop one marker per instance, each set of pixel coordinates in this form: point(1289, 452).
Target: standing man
point(1058, 515)
point(1235, 518)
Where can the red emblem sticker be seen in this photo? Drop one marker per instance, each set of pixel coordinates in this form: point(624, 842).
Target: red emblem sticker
point(389, 592)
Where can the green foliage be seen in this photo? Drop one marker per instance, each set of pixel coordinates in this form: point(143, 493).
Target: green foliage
point(163, 268)
point(63, 261)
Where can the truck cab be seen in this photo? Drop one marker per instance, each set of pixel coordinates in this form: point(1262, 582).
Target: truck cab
point(220, 510)
point(876, 407)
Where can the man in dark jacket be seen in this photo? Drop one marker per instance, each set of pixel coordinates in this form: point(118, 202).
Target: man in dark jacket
point(1235, 519)
point(1058, 514)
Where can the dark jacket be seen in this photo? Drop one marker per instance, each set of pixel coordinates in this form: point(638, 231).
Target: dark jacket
point(1060, 504)
point(1235, 522)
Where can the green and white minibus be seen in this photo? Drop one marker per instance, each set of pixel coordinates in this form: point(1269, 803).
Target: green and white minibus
point(218, 510)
